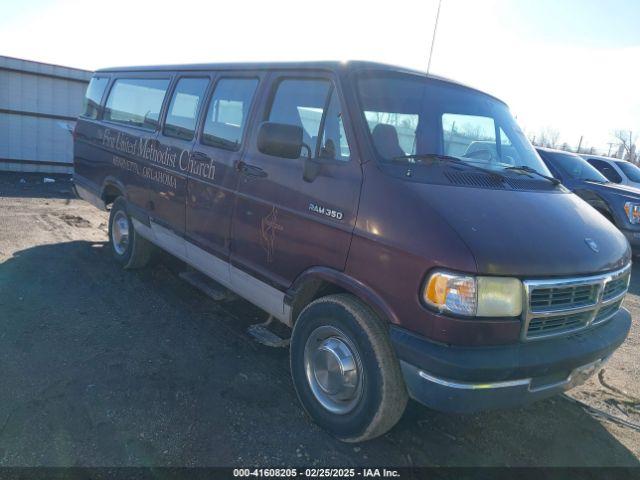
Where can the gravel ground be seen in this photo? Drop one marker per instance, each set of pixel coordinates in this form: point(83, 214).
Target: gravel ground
point(102, 367)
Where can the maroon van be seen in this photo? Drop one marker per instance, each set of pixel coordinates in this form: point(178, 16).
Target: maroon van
point(401, 225)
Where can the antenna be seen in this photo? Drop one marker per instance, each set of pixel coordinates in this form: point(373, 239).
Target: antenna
point(433, 40)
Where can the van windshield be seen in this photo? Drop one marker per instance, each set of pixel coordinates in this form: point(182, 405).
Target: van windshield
point(410, 117)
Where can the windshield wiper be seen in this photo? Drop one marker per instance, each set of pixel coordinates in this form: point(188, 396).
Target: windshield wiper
point(527, 169)
point(444, 158)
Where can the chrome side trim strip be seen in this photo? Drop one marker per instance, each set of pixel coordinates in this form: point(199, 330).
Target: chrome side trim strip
point(90, 197)
point(255, 291)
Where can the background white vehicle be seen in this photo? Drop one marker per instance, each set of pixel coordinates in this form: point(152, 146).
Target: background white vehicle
point(616, 171)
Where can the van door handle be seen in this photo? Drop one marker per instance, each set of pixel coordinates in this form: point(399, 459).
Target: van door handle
point(251, 170)
point(202, 157)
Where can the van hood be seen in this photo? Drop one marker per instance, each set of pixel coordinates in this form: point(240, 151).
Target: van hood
point(529, 233)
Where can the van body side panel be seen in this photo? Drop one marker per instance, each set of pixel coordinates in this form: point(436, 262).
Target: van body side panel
point(210, 206)
point(90, 166)
point(119, 149)
point(168, 186)
point(284, 225)
point(211, 194)
point(91, 163)
point(396, 243)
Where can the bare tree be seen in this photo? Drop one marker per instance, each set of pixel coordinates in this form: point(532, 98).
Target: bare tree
point(549, 137)
point(627, 141)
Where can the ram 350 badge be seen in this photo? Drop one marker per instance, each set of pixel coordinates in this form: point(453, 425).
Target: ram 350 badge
point(327, 212)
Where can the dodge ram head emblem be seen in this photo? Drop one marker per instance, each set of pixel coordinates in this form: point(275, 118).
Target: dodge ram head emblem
point(592, 244)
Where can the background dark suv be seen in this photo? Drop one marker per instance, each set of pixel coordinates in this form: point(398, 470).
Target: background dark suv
point(619, 203)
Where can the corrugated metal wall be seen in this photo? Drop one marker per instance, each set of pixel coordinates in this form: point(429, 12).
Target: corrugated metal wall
point(38, 106)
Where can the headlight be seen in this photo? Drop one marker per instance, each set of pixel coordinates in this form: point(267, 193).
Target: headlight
point(474, 296)
point(633, 212)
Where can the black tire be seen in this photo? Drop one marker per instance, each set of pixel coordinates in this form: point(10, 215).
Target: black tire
point(138, 250)
point(383, 395)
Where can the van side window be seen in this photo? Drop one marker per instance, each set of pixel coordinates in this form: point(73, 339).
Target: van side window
point(227, 113)
point(136, 101)
point(301, 102)
point(184, 108)
point(333, 144)
point(91, 105)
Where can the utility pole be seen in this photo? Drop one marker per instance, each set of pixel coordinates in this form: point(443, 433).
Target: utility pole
point(433, 39)
point(580, 144)
point(610, 146)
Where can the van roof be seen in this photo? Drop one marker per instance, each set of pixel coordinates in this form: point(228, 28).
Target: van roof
point(330, 65)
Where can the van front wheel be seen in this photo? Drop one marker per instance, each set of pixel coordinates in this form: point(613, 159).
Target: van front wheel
point(129, 249)
point(345, 372)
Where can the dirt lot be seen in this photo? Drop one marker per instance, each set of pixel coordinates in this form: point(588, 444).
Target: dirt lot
point(102, 367)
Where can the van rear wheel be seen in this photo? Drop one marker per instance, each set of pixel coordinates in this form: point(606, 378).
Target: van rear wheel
point(345, 372)
point(128, 248)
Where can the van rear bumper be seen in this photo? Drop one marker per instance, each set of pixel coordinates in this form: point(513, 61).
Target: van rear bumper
point(471, 379)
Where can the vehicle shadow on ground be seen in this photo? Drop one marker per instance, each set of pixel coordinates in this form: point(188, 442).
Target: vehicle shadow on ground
point(109, 367)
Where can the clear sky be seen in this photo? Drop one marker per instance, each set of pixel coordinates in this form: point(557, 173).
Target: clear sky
point(573, 65)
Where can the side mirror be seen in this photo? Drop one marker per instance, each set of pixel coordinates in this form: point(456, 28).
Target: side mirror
point(280, 140)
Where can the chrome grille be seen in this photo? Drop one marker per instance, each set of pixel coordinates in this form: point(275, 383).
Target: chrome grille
point(561, 306)
point(606, 312)
point(560, 297)
point(547, 325)
point(616, 287)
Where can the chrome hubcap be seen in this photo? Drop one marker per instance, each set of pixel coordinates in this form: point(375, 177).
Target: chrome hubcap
point(120, 232)
point(333, 369)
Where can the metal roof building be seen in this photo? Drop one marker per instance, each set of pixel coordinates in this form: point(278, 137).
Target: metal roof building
point(39, 103)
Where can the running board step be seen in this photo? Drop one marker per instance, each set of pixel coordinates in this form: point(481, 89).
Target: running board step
point(207, 286)
point(266, 336)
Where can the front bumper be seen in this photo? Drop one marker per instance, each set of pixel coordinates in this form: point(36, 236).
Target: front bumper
point(470, 379)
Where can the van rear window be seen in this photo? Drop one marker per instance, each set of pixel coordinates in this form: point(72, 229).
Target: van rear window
point(136, 101)
point(92, 98)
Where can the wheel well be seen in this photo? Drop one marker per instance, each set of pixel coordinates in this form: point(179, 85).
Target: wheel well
point(110, 193)
point(310, 291)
